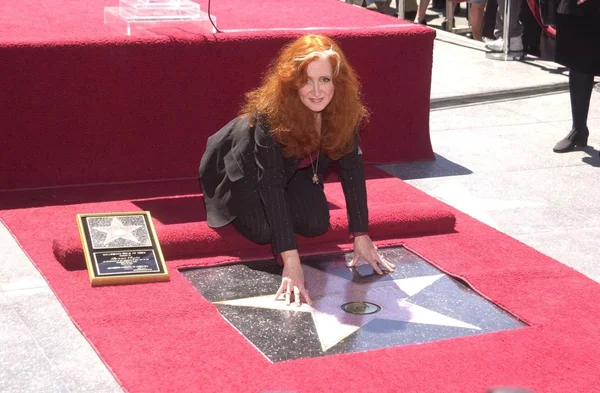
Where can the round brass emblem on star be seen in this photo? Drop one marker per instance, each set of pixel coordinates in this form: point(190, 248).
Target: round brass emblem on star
point(361, 308)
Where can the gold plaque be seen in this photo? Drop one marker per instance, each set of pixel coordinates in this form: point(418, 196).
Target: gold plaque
point(121, 248)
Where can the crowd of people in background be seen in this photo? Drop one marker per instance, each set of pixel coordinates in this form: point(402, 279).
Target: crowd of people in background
point(485, 18)
point(575, 44)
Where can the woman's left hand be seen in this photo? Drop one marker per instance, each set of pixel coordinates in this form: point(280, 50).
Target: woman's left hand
point(365, 249)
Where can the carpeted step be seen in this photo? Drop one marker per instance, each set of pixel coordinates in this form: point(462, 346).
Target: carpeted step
point(196, 239)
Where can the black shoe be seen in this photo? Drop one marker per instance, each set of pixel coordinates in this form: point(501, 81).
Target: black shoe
point(409, 15)
point(574, 139)
point(445, 24)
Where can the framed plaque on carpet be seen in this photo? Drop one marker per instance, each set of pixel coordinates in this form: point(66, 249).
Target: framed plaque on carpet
point(121, 248)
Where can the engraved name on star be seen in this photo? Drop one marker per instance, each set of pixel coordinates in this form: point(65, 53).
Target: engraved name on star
point(116, 230)
point(333, 324)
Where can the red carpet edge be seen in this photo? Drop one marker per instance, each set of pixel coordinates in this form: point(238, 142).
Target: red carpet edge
point(165, 337)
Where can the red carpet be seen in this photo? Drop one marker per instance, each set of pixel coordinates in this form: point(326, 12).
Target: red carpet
point(142, 106)
point(165, 338)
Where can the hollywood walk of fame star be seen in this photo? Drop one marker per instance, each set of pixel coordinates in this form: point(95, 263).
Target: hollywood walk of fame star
point(117, 230)
point(331, 292)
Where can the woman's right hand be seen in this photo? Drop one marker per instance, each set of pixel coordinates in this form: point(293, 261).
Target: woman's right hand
point(292, 282)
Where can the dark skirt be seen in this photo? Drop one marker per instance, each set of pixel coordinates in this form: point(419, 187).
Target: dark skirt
point(578, 43)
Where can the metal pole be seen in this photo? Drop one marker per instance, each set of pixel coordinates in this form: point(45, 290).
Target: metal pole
point(506, 35)
point(506, 54)
point(400, 8)
point(450, 15)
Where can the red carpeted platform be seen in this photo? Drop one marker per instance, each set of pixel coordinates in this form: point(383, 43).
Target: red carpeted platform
point(82, 103)
point(165, 337)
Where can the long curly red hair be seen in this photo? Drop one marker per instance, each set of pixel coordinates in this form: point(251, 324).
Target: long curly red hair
point(292, 124)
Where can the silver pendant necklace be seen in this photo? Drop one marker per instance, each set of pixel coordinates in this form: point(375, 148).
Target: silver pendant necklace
point(315, 168)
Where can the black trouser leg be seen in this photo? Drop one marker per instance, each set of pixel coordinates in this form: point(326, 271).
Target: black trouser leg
point(307, 203)
point(580, 89)
point(251, 220)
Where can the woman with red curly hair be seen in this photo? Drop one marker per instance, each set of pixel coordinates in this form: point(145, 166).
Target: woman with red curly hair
point(263, 172)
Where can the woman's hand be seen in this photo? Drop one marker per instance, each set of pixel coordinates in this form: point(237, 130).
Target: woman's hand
point(365, 249)
point(292, 281)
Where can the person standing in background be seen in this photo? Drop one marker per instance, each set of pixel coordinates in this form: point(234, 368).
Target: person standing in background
point(577, 48)
point(475, 15)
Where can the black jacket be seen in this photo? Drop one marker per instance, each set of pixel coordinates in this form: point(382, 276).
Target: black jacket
point(239, 150)
point(591, 8)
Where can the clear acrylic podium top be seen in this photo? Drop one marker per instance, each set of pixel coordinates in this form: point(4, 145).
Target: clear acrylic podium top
point(139, 16)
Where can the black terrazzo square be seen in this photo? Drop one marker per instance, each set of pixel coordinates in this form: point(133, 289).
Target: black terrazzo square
point(416, 303)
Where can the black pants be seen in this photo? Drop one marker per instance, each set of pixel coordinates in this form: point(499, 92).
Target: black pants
point(307, 203)
point(580, 90)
